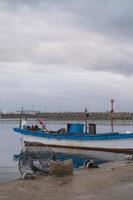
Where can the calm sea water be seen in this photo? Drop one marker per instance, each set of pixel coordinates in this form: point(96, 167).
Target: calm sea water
point(10, 143)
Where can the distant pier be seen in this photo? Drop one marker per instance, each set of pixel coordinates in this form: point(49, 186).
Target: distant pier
point(71, 115)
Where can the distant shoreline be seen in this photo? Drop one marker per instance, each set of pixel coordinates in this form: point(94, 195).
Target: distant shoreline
point(63, 116)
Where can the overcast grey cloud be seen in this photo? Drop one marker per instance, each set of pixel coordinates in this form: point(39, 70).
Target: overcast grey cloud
point(55, 52)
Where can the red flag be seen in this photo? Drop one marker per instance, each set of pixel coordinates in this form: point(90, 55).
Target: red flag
point(41, 121)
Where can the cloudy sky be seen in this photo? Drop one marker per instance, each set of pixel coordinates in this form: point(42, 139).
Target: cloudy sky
point(63, 55)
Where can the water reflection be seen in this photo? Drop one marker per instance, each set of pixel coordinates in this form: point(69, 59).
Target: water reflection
point(36, 160)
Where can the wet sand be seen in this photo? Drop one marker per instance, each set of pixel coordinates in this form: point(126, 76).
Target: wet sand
point(109, 182)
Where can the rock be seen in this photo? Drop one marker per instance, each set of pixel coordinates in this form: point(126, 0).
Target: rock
point(90, 164)
point(129, 157)
point(28, 174)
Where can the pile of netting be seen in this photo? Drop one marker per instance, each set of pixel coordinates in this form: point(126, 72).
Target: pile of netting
point(34, 160)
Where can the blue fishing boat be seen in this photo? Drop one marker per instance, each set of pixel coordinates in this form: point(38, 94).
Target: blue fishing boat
point(77, 136)
point(74, 137)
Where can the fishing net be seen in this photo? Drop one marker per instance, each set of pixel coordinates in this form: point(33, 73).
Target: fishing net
point(35, 160)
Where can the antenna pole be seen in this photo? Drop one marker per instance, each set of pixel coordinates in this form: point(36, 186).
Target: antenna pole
point(86, 120)
point(112, 115)
point(20, 122)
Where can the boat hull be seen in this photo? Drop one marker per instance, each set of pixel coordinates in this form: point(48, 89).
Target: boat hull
point(109, 142)
point(117, 146)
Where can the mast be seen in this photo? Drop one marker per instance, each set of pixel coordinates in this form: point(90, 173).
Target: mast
point(112, 115)
point(86, 120)
point(20, 122)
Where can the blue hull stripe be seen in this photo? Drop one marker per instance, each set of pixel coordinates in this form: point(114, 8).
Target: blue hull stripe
point(78, 136)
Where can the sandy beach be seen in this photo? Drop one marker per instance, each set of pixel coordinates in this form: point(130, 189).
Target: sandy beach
point(111, 181)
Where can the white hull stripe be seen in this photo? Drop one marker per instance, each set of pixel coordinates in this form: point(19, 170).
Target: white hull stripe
point(123, 146)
